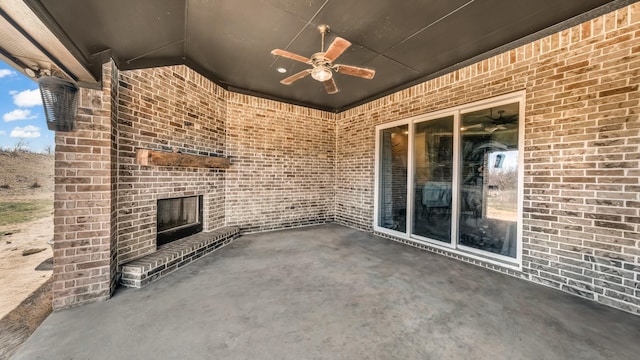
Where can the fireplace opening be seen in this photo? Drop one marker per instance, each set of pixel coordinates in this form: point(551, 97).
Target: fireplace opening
point(178, 218)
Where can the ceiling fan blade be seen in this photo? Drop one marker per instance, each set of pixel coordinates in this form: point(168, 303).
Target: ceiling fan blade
point(294, 77)
point(506, 120)
point(330, 86)
point(474, 116)
point(290, 55)
point(337, 47)
point(356, 71)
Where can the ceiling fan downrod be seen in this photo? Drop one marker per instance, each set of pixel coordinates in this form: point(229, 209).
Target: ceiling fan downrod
point(323, 30)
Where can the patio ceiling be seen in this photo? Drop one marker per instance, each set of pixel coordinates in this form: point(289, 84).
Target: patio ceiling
point(229, 41)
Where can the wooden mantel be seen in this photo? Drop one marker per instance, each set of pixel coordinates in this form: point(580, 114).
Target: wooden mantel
point(148, 157)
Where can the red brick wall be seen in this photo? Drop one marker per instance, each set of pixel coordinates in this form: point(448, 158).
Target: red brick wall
point(283, 162)
point(582, 137)
point(283, 168)
point(83, 233)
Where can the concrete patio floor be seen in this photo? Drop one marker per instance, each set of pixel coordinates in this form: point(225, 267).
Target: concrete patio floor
point(330, 292)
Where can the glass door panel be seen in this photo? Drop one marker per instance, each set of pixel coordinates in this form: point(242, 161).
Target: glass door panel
point(489, 180)
point(433, 174)
point(394, 150)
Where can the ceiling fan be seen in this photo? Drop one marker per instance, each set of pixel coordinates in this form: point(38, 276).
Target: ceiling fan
point(322, 63)
point(501, 119)
point(495, 124)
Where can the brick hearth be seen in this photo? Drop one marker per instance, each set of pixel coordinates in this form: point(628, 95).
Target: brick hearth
point(173, 256)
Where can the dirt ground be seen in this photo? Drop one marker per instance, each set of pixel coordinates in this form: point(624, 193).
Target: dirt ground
point(18, 274)
point(21, 275)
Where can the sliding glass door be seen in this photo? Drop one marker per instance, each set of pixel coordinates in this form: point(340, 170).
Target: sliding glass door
point(433, 175)
point(455, 180)
point(489, 173)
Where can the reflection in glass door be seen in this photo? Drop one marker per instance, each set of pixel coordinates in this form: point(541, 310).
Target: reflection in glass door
point(433, 174)
point(453, 181)
point(394, 150)
point(489, 180)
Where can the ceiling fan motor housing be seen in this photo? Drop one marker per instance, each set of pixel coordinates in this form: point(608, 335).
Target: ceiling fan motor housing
point(318, 59)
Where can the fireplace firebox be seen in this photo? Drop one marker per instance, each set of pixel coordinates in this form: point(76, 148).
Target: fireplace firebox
point(178, 218)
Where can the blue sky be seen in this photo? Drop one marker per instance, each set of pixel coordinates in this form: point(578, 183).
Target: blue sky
point(21, 114)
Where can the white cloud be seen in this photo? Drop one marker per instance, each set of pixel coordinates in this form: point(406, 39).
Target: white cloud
point(27, 98)
point(27, 132)
point(6, 72)
point(18, 114)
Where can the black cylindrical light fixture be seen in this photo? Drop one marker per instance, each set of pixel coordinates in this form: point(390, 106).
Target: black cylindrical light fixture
point(60, 100)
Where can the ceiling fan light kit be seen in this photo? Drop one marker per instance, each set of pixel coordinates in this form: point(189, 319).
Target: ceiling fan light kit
point(322, 63)
point(321, 73)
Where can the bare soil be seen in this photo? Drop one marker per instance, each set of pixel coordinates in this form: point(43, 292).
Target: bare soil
point(25, 286)
point(18, 274)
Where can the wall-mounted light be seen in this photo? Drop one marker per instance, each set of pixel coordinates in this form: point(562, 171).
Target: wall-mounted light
point(60, 100)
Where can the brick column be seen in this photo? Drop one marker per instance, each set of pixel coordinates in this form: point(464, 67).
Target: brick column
point(83, 270)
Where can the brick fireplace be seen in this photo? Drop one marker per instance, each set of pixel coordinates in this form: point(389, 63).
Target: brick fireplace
point(283, 166)
point(159, 109)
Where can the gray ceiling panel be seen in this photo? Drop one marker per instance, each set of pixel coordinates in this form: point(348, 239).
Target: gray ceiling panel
point(134, 28)
point(304, 10)
point(230, 41)
point(163, 57)
point(231, 45)
point(477, 28)
point(378, 25)
point(397, 74)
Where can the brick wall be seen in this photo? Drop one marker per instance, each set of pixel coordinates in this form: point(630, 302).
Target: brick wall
point(355, 147)
point(169, 108)
point(114, 176)
point(283, 168)
point(581, 209)
point(83, 270)
point(295, 166)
